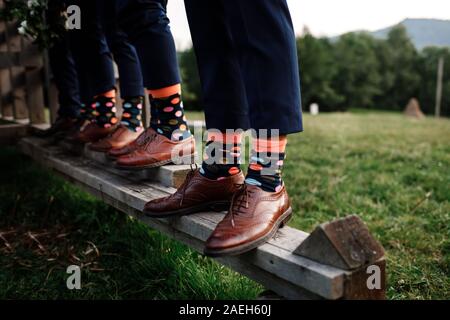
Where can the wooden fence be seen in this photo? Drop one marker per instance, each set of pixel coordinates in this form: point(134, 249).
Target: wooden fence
point(25, 86)
point(338, 260)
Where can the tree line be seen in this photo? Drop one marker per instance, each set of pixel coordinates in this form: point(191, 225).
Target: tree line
point(356, 70)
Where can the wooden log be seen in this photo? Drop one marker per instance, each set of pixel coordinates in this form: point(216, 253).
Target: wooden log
point(347, 244)
point(344, 243)
point(273, 264)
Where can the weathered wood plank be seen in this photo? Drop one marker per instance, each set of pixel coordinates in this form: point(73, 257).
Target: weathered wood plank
point(6, 94)
point(35, 95)
point(273, 264)
point(19, 93)
point(170, 175)
point(11, 133)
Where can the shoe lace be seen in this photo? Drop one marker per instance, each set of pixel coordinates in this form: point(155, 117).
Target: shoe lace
point(149, 138)
point(239, 201)
point(182, 189)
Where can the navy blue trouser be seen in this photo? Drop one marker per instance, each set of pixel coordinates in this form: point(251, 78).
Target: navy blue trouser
point(124, 53)
point(147, 26)
point(248, 64)
point(65, 76)
point(91, 53)
point(63, 66)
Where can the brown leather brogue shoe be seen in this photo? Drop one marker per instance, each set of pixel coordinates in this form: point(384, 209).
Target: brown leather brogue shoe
point(121, 137)
point(91, 132)
point(62, 125)
point(196, 194)
point(253, 218)
point(157, 151)
point(114, 153)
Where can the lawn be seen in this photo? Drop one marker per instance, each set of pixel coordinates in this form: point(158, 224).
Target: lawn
point(392, 171)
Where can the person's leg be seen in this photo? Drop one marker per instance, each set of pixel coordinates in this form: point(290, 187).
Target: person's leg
point(131, 83)
point(222, 157)
point(147, 26)
point(94, 63)
point(96, 74)
point(266, 161)
point(64, 72)
point(128, 64)
point(265, 37)
point(213, 186)
point(223, 90)
point(265, 41)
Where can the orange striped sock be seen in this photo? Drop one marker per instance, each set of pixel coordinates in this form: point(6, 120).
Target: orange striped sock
point(222, 155)
point(266, 162)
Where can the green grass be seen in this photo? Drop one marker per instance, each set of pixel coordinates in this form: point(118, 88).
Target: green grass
point(392, 171)
point(195, 115)
point(133, 261)
point(381, 167)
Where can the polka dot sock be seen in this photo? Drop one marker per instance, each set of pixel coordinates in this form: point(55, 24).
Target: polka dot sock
point(132, 113)
point(86, 111)
point(222, 156)
point(266, 162)
point(167, 117)
point(104, 110)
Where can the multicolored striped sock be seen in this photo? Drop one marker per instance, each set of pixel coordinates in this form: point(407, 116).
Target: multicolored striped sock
point(266, 161)
point(222, 156)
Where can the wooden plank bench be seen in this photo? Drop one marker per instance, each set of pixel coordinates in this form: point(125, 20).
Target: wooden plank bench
point(330, 263)
point(10, 133)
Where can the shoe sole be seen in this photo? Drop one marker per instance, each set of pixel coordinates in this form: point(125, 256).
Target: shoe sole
point(99, 149)
point(281, 222)
point(147, 166)
point(217, 206)
point(184, 160)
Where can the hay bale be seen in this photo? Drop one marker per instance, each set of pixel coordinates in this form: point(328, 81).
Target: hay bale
point(413, 109)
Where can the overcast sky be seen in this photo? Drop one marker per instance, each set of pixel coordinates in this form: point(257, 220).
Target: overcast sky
point(333, 17)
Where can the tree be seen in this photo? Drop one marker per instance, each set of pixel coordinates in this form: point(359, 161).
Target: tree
point(399, 69)
point(318, 69)
point(357, 77)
